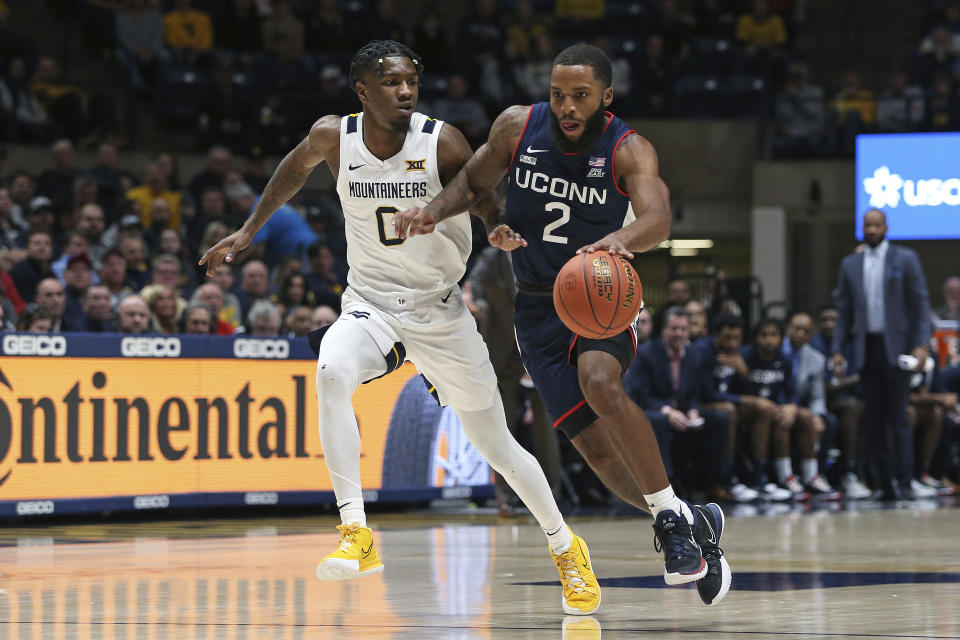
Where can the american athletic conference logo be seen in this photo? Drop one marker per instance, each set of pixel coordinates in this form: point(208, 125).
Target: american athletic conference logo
point(886, 189)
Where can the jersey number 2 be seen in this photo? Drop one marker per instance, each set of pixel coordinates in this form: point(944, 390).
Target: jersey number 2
point(391, 239)
point(556, 224)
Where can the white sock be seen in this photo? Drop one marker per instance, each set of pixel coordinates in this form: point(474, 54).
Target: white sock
point(351, 511)
point(784, 468)
point(560, 539)
point(667, 500)
point(809, 469)
point(487, 431)
point(348, 356)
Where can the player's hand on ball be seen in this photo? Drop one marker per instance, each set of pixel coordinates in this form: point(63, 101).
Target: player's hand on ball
point(225, 250)
point(505, 238)
point(609, 243)
point(413, 222)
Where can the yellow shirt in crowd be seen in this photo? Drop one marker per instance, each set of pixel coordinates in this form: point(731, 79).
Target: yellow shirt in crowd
point(144, 196)
point(763, 33)
point(189, 29)
point(586, 9)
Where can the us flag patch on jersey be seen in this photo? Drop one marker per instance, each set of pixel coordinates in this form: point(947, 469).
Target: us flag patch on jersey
point(596, 161)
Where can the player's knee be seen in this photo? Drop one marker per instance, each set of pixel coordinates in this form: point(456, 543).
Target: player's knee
point(333, 378)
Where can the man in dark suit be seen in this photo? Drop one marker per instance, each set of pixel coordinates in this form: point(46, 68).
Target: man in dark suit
point(884, 310)
point(669, 378)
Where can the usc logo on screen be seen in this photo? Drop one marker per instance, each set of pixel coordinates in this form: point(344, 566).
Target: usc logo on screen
point(34, 345)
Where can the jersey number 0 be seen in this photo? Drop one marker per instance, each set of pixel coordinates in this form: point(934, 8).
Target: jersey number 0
point(391, 240)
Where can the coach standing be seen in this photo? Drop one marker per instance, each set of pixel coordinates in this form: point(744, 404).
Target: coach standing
point(884, 309)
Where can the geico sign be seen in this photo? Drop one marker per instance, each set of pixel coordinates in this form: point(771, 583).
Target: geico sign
point(34, 345)
point(261, 497)
point(244, 348)
point(34, 507)
point(151, 502)
point(150, 347)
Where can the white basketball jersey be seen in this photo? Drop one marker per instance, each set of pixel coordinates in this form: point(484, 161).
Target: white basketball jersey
point(372, 190)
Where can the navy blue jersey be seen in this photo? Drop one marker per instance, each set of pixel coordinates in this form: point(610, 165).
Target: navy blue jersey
point(771, 379)
point(558, 201)
point(726, 384)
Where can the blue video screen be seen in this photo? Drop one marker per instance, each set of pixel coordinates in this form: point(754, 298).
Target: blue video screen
point(915, 179)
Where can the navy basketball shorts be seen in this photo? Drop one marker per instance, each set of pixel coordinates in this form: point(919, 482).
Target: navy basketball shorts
point(550, 351)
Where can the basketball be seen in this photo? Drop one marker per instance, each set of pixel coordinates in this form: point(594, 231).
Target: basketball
point(597, 295)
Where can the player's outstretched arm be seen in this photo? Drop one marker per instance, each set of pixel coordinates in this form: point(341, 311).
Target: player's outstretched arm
point(471, 184)
point(638, 173)
point(287, 180)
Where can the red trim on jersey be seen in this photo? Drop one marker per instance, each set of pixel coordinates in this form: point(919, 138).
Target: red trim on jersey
point(572, 344)
point(567, 414)
point(522, 131)
point(613, 163)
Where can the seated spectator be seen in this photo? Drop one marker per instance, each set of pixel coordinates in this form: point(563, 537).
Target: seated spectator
point(760, 28)
point(698, 320)
point(771, 377)
point(171, 245)
point(22, 117)
point(323, 280)
point(135, 254)
point(523, 28)
point(799, 117)
point(212, 234)
point(40, 217)
point(938, 58)
point(462, 111)
point(334, 95)
point(165, 271)
point(294, 293)
point(809, 395)
point(35, 319)
point(285, 233)
point(213, 174)
point(77, 278)
point(855, 109)
point(644, 325)
point(430, 40)
point(283, 22)
point(675, 27)
point(162, 300)
point(900, 106)
point(113, 275)
point(77, 243)
point(943, 106)
point(752, 415)
point(9, 229)
point(656, 74)
point(479, 35)
point(678, 295)
point(112, 181)
point(189, 33)
point(90, 223)
point(500, 79)
point(669, 379)
point(323, 316)
point(929, 412)
point(535, 73)
point(28, 273)
point(57, 182)
point(133, 315)
point(951, 300)
point(140, 34)
point(210, 295)
point(197, 318)
point(22, 190)
point(231, 311)
point(844, 400)
point(80, 116)
point(51, 296)
point(254, 285)
point(97, 310)
point(297, 321)
point(155, 186)
point(263, 320)
point(383, 24)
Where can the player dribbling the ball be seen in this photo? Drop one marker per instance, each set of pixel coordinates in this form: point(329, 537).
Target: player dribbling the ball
point(577, 173)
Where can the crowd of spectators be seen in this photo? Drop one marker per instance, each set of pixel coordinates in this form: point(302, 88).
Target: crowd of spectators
point(255, 74)
point(96, 248)
point(919, 94)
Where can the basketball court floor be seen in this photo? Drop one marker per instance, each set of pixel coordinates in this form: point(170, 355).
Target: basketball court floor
point(865, 573)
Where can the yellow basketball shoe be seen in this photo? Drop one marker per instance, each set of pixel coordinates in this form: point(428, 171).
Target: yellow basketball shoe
point(355, 556)
point(581, 591)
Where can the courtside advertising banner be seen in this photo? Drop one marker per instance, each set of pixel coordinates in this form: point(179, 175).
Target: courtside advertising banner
point(915, 179)
point(90, 422)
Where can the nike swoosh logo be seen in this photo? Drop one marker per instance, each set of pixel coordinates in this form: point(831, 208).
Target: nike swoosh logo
point(351, 167)
point(532, 150)
point(444, 300)
point(366, 552)
point(713, 534)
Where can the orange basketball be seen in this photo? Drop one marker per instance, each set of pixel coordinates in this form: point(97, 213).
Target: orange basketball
point(597, 295)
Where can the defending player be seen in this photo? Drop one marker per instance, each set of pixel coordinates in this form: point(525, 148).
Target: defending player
point(403, 296)
point(574, 169)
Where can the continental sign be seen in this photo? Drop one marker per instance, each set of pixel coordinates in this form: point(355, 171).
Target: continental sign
point(164, 423)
